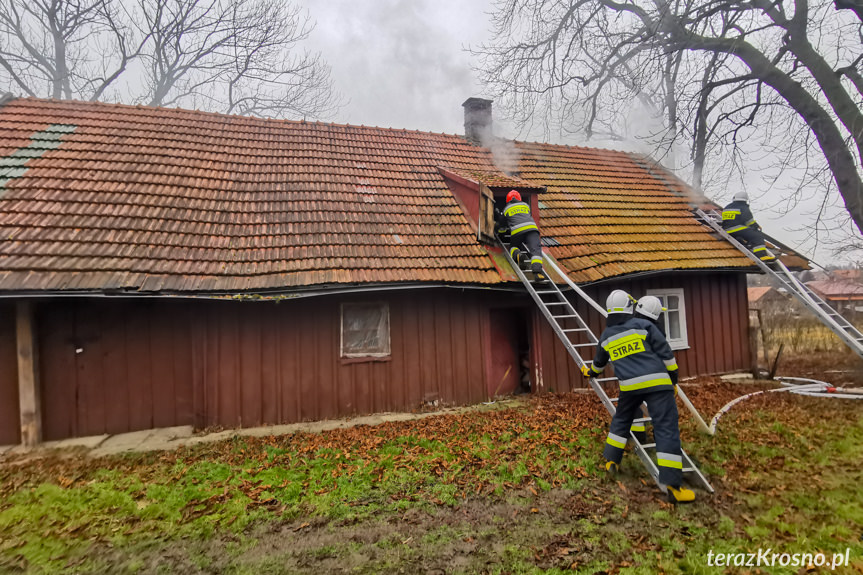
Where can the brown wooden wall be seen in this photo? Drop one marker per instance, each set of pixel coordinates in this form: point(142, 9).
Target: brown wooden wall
point(109, 365)
point(10, 423)
point(114, 366)
point(717, 324)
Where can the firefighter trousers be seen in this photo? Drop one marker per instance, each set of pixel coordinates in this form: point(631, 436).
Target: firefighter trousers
point(666, 431)
point(754, 240)
point(528, 241)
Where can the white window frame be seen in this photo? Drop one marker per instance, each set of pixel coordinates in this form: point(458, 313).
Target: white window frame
point(681, 342)
point(387, 349)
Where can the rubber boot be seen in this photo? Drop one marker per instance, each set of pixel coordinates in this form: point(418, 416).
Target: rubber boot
point(680, 495)
point(538, 273)
point(519, 258)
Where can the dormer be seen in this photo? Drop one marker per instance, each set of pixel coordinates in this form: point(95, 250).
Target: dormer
point(479, 192)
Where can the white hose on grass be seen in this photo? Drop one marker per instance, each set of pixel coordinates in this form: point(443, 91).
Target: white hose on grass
point(813, 388)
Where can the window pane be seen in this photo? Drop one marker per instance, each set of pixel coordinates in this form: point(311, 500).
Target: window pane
point(673, 324)
point(365, 329)
point(673, 303)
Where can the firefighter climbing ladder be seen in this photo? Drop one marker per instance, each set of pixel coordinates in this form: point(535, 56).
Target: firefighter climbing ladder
point(570, 328)
point(776, 270)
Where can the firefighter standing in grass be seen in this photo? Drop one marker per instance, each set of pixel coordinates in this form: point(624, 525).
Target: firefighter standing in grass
point(647, 372)
point(524, 235)
point(738, 221)
point(649, 307)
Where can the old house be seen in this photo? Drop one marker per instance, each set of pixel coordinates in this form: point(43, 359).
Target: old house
point(843, 291)
point(162, 267)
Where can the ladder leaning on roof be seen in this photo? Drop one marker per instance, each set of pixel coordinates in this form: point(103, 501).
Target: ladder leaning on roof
point(570, 328)
point(846, 331)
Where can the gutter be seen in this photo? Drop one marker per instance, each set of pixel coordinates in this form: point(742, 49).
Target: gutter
point(279, 295)
point(249, 296)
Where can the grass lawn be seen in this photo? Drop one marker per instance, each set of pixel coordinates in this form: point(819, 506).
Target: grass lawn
point(514, 490)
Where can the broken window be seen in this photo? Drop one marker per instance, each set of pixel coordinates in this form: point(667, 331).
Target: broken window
point(365, 330)
point(674, 316)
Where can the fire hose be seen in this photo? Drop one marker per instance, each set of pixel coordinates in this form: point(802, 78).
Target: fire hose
point(813, 388)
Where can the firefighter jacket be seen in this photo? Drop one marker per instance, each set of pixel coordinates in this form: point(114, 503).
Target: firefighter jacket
point(736, 217)
point(643, 360)
point(516, 218)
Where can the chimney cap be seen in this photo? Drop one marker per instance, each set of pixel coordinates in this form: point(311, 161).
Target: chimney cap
point(477, 102)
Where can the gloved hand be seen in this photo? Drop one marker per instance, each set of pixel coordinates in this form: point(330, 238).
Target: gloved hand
point(586, 371)
point(674, 376)
point(675, 390)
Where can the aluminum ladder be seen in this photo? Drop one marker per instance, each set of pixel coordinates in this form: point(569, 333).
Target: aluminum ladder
point(575, 334)
point(776, 270)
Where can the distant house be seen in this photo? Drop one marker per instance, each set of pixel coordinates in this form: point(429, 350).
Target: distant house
point(766, 297)
point(843, 291)
point(162, 267)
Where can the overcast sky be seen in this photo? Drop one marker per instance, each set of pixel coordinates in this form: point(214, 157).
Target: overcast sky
point(403, 64)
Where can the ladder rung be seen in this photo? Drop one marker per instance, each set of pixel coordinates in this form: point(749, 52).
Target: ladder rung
point(642, 420)
point(555, 303)
point(563, 316)
point(545, 292)
point(613, 399)
point(600, 380)
point(582, 344)
point(688, 469)
point(648, 445)
point(574, 329)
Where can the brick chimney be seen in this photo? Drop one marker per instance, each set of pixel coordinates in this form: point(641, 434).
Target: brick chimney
point(477, 120)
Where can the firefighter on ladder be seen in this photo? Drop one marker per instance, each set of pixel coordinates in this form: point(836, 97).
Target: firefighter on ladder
point(524, 235)
point(647, 372)
point(737, 220)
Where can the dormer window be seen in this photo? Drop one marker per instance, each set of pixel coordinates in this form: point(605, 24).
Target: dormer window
point(479, 193)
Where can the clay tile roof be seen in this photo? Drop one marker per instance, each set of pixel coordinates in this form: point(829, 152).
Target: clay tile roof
point(837, 289)
point(98, 196)
point(615, 213)
point(496, 179)
point(756, 293)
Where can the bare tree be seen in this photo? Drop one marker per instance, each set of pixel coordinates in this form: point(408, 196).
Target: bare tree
point(235, 52)
point(62, 49)
point(233, 56)
point(783, 76)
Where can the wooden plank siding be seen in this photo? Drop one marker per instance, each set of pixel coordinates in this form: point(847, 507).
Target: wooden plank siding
point(112, 365)
point(10, 421)
point(717, 324)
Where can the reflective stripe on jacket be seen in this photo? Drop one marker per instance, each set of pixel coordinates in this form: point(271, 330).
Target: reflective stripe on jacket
point(516, 217)
point(641, 355)
point(736, 216)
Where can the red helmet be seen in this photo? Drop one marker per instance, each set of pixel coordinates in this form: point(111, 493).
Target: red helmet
point(513, 195)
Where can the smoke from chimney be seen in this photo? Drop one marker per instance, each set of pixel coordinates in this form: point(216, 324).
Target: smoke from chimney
point(478, 131)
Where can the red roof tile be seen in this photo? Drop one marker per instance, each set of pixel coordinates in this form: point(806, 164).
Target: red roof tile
point(837, 289)
point(102, 196)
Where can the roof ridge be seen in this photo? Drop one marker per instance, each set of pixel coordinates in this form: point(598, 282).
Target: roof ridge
point(86, 103)
point(6, 98)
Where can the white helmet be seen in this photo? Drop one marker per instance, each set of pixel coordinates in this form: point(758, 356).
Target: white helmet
point(740, 197)
point(649, 306)
point(619, 302)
